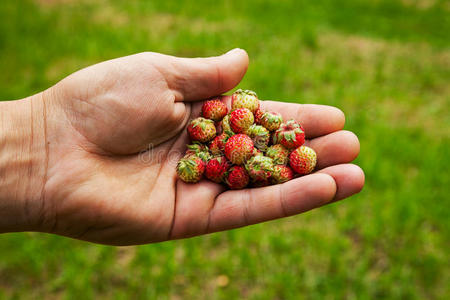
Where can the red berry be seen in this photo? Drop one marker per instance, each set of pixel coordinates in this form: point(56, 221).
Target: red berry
point(239, 148)
point(281, 174)
point(216, 168)
point(190, 168)
point(214, 109)
point(258, 116)
point(226, 128)
point(237, 178)
point(201, 129)
point(196, 147)
point(241, 119)
point(204, 155)
point(303, 160)
point(290, 134)
point(278, 153)
point(217, 146)
point(271, 120)
point(257, 152)
point(245, 99)
point(259, 135)
point(259, 167)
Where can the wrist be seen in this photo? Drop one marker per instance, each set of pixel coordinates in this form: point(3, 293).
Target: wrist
point(23, 156)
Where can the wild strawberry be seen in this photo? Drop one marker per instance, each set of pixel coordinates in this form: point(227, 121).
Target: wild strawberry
point(236, 178)
point(199, 150)
point(259, 167)
point(214, 109)
point(241, 119)
point(217, 145)
point(226, 125)
point(204, 155)
point(259, 135)
point(245, 99)
point(278, 153)
point(239, 148)
point(271, 120)
point(190, 168)
point(303, 160)
point(290, 134)
point(281, 174)
point(201, 129)
point(216, 168)
point(195, 148)
point(257, 152)
point(258, 116)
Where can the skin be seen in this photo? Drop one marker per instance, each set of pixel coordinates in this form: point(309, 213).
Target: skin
point(74, 159)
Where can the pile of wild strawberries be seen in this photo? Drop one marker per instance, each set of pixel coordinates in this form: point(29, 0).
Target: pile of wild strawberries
point(247, 146)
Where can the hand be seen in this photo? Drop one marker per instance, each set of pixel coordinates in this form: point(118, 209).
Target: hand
point(101, 186)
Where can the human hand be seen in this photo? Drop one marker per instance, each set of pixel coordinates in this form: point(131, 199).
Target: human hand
point(99, 185)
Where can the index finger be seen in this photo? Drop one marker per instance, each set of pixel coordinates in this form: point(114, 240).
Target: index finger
point(317, 120)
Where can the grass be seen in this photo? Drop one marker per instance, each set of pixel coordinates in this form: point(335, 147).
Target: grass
point(385, 63)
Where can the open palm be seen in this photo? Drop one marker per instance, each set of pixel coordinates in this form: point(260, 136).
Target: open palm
point(116, 130)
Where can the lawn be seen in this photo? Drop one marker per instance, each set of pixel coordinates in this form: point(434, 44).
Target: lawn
point(385, 63)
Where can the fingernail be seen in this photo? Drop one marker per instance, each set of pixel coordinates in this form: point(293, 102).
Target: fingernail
point(233, 51)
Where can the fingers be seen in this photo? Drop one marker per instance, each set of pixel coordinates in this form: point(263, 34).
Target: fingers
point(240, 208)
point(200, 78)
point(245, 207)
point(349, 179)
point(317, 120)
point(335, 148)
point(196, 212)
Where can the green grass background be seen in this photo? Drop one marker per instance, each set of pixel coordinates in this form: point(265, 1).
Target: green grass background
point(385, 63)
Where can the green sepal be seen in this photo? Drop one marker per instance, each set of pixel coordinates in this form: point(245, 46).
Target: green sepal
point(229, 133)
point(205, 156)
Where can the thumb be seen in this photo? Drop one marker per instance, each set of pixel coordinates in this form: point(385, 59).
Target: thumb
point(200, 78)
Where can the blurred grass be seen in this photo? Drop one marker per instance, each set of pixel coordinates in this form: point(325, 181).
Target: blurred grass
point(385, 63)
